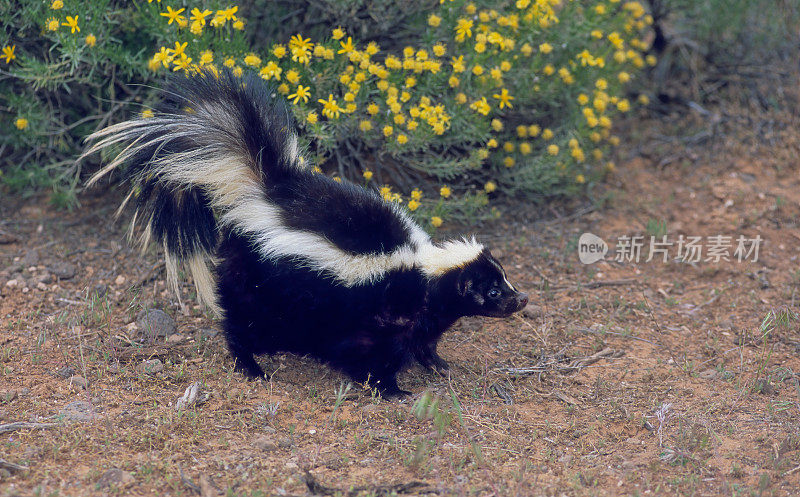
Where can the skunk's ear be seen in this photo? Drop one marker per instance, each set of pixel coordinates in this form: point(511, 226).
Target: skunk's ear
point(463, 283)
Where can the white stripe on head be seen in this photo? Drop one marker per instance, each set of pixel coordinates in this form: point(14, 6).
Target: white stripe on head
point(436, 260)
point(503, 272)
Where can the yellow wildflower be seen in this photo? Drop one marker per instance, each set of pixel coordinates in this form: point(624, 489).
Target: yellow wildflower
point(525, 148)
point(504, 98)
point(367, 175)
point(497, 125)
point(302, 93)
point(347, 46)
point(57, 4)
point(445, 191)
point(434, 20)
point(271, 71)
point(388, 130)
point(492, 143)
point(338, 33)
point(292, 76)
point(174, 15)
point(580, 179)
point(552, 149)
point(402, 139)
point(72, 24)
point(238, 25)
point(52, 24)
point(490, 186)
point(365, 125)
point(252, 60)
point(508, 147)
point(545, 48)
point(463, 29)
point(91, 40)
point(147, 114)
point(21, 123)
point(8, 53)
point(200, 17)
point(330, 108)
point(547, 134)
point(436, 221)
point(508, 161)
point(534, 130)
point(312, 117)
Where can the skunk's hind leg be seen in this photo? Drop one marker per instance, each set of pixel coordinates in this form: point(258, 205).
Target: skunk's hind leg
point(243, 355)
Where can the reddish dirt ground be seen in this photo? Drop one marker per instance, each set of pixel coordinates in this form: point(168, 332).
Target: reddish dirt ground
point(621, 378)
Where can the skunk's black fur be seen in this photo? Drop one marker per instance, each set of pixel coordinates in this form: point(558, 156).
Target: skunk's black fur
point(303, 263)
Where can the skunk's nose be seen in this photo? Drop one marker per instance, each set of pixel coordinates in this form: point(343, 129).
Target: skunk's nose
point(522, 300)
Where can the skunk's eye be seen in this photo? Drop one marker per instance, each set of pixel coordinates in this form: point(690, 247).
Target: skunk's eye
point(493, 293)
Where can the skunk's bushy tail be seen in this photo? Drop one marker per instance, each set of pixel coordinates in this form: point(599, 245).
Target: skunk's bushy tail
point(207, 152)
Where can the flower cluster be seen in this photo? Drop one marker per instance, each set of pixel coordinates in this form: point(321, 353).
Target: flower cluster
point(498, 97)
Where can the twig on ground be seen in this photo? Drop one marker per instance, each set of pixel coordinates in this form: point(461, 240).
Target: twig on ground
point(12, 467)
point(22, 425)
point(316, 487)
point(186, 481)
point(553, 363)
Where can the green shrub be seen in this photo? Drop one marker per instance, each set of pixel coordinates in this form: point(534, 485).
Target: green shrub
point(505, 97)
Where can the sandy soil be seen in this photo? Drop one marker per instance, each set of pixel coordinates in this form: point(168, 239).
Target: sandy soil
point(621, 378)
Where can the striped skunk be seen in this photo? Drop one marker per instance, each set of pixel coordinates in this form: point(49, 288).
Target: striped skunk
point(291, 259)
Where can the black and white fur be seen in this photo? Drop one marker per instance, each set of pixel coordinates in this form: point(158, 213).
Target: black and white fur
point(291, 259)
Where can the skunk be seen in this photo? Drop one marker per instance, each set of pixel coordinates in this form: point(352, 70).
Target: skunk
point(291, 259)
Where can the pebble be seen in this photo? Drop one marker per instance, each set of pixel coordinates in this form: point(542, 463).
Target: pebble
point(208, 333)
point(31, 258)
point(63, 270)
point(64, 372)
point(78, 381)
point(115, 476)
point(152, 366)
point(79, 410)
point(531, 311)
point(120, 280)
point(265, 444)
point(154, 323)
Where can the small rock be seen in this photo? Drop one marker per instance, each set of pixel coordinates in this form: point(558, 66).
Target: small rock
point(154, 323)
point(12, 283)
point(79, 410)
point(291, 466)
point(78, 382)
point(285, 443)
point(64, 372)
point(189, 397)
point(120, 280)
point(6, 238)
point(63, 270)
point(31, 258)
point(709, 374)
point(265, 444)
point(44, 277)
point(115, 477)
point(100, 289)
point(41, 286)
point(175, 339)
point(532, 311)
point(152, 366)
point(370, 408)
point(763, 386)
point(208, 333)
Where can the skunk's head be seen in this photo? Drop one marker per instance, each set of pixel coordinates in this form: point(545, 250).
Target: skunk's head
point(484, 290)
